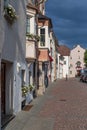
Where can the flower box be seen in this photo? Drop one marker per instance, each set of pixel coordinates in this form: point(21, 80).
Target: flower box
point(10, 14)
point(33, 37)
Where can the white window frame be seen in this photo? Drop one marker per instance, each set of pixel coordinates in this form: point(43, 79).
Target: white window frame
point(42, 43)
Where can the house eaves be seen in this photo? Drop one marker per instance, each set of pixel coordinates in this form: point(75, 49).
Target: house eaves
point(32, 7)
point(43, 18)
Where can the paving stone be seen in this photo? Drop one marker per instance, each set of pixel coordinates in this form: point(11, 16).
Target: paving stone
point(62, 107)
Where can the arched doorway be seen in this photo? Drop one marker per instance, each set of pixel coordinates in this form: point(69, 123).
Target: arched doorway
point(78, 68)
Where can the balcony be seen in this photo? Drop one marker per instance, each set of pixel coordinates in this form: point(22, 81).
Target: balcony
point(31, 46)
point(31, 50)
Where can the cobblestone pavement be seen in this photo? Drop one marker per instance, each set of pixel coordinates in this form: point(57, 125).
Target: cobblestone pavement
point(62, 107)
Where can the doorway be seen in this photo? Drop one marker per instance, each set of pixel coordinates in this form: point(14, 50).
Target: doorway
point(6, 92)
point(3, 73)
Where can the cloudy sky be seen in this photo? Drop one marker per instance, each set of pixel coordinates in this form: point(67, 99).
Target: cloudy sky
point(69, 18)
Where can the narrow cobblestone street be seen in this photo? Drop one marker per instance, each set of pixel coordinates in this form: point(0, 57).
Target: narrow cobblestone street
point(62, 107)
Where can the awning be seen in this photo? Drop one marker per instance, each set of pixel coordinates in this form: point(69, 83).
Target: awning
point(50, 58)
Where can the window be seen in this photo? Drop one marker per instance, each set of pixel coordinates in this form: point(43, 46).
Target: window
point(42, 37)
point(28, 24)
point(64, 62)
point(51, 51)
point(6, 2)
point(78, 63)
point(23, 77)
point(34, 67)
point(33, 1)
point(79, 57)
point(50, 40)
point(70, 72)
point(29, 77)
point(56, 60)
point(71, 65)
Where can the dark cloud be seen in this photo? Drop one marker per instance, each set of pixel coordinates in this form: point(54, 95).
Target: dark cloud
point(69, 19)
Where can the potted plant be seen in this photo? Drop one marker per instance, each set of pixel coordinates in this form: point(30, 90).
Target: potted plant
point(31, 87)
point(30, 36)
point(10, 14)
point(33, 37)
point(37, 38)
point(25, 90)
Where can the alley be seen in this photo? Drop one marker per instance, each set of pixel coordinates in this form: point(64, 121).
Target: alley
point(62, 107)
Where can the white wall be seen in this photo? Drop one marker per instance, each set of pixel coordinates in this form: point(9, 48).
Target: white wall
point(13, 47)
point(66, 66)
point(60, 66)
point(76, 54)
point(17, 95)
point(30, 49)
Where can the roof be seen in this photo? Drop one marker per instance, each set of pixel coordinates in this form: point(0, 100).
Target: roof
point(77, 46)
point(32, 6)
point(43, 17)
point(63, 50)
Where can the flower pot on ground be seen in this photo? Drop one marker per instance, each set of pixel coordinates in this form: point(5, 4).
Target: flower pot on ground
point(27, 94)
point(29, 98)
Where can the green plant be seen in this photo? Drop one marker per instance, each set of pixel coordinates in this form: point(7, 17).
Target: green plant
point(31, 87)
point(25, 90)
point(10, 14)
point(85, 58)
point(30, 35)
point(37, 37)
point(33, 37)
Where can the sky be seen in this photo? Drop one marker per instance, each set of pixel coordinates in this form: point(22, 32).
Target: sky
point(69, 19)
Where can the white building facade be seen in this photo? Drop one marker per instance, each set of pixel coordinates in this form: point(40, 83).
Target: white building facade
point(76, 60)
point(44, 27)
point(66, 66)
point(64, 61)
point(13, 63)
point(31, 44)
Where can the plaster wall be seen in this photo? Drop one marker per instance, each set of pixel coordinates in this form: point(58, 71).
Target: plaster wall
point(66, 66)
point(13, 50)
point(77, 54)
